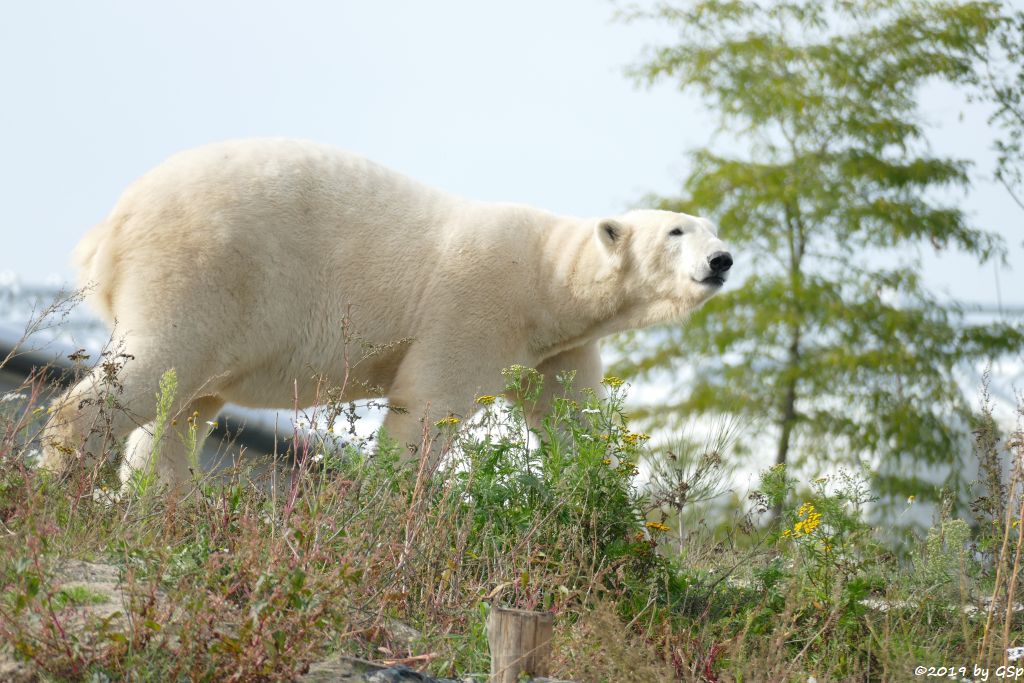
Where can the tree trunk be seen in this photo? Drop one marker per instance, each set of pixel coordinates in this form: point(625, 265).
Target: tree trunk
point(788, 417)
point(797, 242)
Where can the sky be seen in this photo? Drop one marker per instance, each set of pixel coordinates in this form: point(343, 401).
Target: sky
point(525, 102)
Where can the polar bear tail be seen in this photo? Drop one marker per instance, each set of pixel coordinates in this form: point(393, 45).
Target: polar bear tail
point(90, 259)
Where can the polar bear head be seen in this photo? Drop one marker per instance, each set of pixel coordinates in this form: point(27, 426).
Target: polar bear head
point(665, 264)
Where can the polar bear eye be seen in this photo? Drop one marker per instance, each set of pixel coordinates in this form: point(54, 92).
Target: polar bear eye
point(676, 231)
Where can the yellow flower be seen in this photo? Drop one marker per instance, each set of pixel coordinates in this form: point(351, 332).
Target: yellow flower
point(656, 526)
point(634, 438)
point(449, 421)
point(810, 524)
point(911, 499)
point(486, 400)
point(612, 381)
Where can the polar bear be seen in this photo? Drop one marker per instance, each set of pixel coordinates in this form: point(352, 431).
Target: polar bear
point(238, 263)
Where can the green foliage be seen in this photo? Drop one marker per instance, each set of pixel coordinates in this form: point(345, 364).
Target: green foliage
point(237, 582)
point(574, 489)
point(142, 481)
point(827, 173)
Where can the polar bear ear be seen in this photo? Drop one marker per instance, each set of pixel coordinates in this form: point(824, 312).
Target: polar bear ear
point(611, 233)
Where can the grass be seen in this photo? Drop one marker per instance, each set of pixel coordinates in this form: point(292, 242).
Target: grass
point(357, 554)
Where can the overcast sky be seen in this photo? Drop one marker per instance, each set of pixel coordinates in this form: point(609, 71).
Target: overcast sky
point(521, 101)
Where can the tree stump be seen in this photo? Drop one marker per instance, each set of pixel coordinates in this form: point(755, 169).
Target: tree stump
point(520, 643)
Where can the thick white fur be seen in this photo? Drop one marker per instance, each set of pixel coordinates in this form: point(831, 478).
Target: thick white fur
point(236, 264)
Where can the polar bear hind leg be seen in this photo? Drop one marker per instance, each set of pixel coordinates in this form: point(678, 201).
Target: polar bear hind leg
point(183, 436)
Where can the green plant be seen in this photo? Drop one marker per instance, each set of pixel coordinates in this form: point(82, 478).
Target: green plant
point(141, 481)
point(357, 553)
point(827, 167)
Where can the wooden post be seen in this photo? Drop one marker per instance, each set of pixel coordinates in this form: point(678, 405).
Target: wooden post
point(520, 643)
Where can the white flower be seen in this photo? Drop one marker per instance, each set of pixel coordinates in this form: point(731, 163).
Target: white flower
point(1014, 653)
point(590, 411)
point(318, 457)
point(105, 496)
point(12, 396)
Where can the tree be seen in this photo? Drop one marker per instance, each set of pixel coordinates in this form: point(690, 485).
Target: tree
point(828, 176)
point(1001, 83)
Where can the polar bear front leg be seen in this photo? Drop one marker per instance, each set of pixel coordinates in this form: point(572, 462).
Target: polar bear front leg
point(585, 361)
point(429, 388)
point(414, 413)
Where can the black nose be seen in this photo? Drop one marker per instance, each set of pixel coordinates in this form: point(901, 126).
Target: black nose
point(720, 261)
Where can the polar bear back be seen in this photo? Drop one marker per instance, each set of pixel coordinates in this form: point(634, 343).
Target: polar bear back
point(259, 228)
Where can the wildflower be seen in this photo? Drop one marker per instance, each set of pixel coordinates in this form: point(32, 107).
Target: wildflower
point(590, 411)
point(212, 423)
point(318, 457)
point(12, 396)
point(810, 519)
point(656, 526)
point(612, 381)
point(449, 421)
point(1014, 653)
point(807, 526)
point(911, 499)
point(607, 461)
point(486, 400)
point(635, 438)
point(105, 496)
